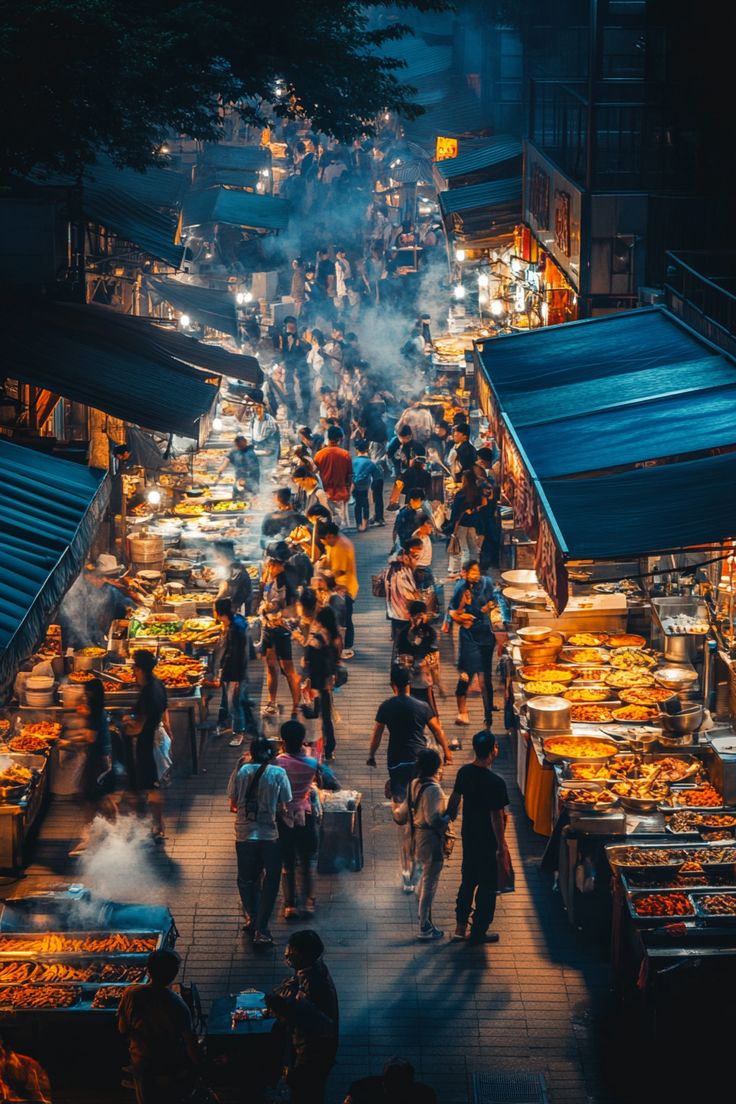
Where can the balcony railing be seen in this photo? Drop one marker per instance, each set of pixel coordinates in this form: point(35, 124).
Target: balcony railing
point(697, 289)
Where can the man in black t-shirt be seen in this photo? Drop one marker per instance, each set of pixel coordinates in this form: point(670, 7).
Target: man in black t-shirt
point(406, 719)
point(484, 797)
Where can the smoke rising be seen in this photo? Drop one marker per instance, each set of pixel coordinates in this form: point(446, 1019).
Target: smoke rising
point(117, 863)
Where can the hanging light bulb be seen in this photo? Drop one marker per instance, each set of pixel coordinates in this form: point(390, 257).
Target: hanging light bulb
point(460, 255)
point(483, 280)
point(458, 292)
point(154, 497)
point(185, 321)
point(497, 308)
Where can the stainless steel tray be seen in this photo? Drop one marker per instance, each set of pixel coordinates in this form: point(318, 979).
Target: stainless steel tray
point(704, 891)
point(658, 920)
point(7, 939)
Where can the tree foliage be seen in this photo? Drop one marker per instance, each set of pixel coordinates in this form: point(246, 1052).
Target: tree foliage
point(79, 77)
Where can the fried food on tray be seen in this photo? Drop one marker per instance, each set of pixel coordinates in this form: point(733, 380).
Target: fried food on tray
point(698, 797)
point(587, 640)
point(636, 713)
point(81, 676)
point(639, 788)
point(599, 772)
point(714, 820)
point(15, 776)
point(549, 673)
point(626, 658)
point(712, 835)
point(579, 747)
point(625, 680)
point(626, 640)
point(29, 744)
point(692, 867)
point(723, 904)
point(683, 822)
point(228, 507)
point(662, 904)
point(589, 797)
point(581, 694)
point(45, 973)
point(533, 687)
point(672, 769)
point(645, 695)
point(108, 996)
point(47, 730)
point(585, 655)
point(91, 652)
point(592, 674)
point(643, 856)
point(40, 996)
point(591, 714)
point(53, 943)
point(189, 509)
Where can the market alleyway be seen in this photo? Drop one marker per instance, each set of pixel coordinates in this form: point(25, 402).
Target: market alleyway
point(522, 1005)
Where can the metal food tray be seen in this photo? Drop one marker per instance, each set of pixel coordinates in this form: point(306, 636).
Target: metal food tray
point(629, 888)
point(703, 891)
point(82, 1004)
point(6, 938)
point(613, 851)
point(660, 921)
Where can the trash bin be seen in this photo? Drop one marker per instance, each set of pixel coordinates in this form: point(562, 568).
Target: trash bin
point(341, 833)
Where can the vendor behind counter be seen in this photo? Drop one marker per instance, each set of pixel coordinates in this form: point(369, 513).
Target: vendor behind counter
point(94, 601)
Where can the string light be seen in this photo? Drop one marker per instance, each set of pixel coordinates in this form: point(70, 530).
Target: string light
point(458, 292)
point(460, 255)
point(185, 321)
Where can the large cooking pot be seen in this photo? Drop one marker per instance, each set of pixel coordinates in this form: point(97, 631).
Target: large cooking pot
point(88, 662)
point(548, 714)
point(545, 652)
point(146, 549)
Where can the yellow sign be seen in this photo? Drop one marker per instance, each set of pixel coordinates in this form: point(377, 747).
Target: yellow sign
point(445, 148)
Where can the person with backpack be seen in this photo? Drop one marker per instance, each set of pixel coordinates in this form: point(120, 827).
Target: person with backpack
point(258, 790)
point(423, 813)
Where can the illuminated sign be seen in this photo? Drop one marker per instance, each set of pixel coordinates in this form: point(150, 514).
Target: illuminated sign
point(445, 148)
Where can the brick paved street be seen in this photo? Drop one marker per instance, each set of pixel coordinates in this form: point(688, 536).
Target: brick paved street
point(452, 1009)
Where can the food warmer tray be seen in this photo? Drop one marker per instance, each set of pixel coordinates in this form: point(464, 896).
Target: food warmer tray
point(7, 950)
point(727, 886)
point(658, 921)
point(679, 853)
point(82, 1004)
point(702, 891)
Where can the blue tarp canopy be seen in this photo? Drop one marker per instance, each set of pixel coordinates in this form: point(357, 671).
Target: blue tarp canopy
point(480, 212)
point(49, 513)
point(476, 196)
point(205, 305)
point(126, 367)
point(654, 509)
point(493, 151)
point(237, 208)
point(612, 391)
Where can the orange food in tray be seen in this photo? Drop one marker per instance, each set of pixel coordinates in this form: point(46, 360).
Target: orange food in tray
point(589, 694)
point(636, 713)
point(591, 714)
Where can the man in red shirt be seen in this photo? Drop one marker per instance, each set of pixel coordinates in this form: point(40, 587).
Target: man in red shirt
point(336, 471)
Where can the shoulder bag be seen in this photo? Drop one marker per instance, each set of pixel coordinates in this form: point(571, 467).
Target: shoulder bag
point(250, 801)
point(446, 833)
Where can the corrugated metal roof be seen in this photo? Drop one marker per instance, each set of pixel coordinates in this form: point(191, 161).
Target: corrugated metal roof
point(475, 196)
point(124, 366)
point(49, 511)
point(259, 212)
point(493, 152)
point(205, 305)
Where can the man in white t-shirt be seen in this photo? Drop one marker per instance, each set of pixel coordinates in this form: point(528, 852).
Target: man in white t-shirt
point(258, 790)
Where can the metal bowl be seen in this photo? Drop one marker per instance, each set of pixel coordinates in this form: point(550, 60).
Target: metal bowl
point(534, 635)
point(519, 577)
point(667, 740)
point(676, 679)
point(640, 804)
point(687, 721)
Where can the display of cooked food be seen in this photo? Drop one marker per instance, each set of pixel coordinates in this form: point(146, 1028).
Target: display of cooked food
point(54, 943)
point(692, 867)
point(662, 904)
point(714, 820)
point(685, 623)
point(91, 652)
point(683, 822)
point(229, 507)
point(626, 658)
point(588, 797)
point(591, 714)
point(626, 680)
point(15, 776)
point(108, 997)
point(40, 996)
point(643, 856)
point(124, 674)
point(625, 640)
point(587, 640)
point(645, 695)
point(597, 772)
point(200, 624)
point(579, 747)
point(721, 904)
point(4, 725)
point(155, 626)
point(47, 730)
point(592, 674)
point(549, 673)
point(672, 769)
point(533, 687)
point(713, 835)
point(29, 744)
point(680, 881)
point(190, 509)
point(112, 687)
point(44, 973)
point(81, 676)
point(642, 789)
point(199, 596)
point(636, 713)
point(585, 655)
point(699, 797)
point(581, 694)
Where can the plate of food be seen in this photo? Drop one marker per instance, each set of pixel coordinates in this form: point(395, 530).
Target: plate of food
point(640, 795)
point(574, 748)
point(703, 796)
point(623, 659)
point(645, 695)
point(636, 714)
point(532, 687)
point(581, 800)
point(626, 680)
point(547, 673)
point(591, 714)
point(592, 675)
point(626, 640)
point(588, 656)
point(583, 694)
point(587, 639)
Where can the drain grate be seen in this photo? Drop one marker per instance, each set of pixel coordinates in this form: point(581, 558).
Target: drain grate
point(509, 1088)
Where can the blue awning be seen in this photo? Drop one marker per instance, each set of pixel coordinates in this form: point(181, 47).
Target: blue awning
point(477, 196)
point(482, 212)
point(49, 513)
point(237, 208)
point(612, 391)
point(647, 510)
point(207, 306)
point(493, 152)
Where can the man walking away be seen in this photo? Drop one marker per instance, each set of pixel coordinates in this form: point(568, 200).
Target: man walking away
point(340, 557)
point(484, 797)
point(258, 791)
point(158, 1025)
point(234, 672)
point(336, 471)
point(366, 473)
point(306, 1004)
